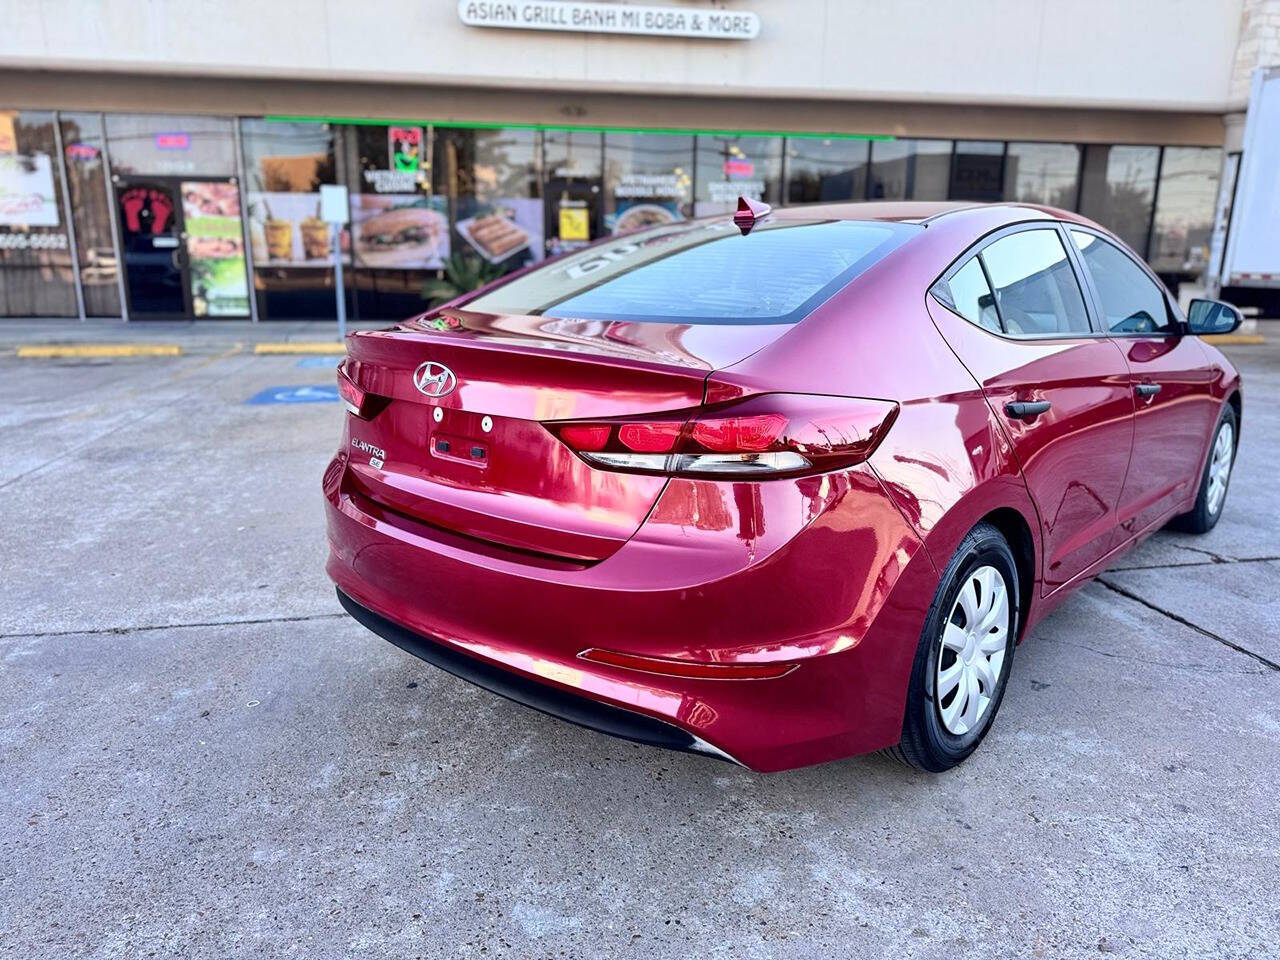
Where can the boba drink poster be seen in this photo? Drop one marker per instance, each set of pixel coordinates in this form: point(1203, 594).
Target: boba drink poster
point(286, 230)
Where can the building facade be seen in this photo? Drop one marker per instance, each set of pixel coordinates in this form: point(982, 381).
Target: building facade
point(165, 160)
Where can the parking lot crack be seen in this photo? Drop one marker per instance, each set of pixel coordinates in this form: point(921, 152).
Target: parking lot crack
point(1194, 563)
point(1130, 595)
point(150, 627)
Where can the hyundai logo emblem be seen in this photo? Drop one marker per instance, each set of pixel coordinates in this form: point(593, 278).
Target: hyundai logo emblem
point(434, 379)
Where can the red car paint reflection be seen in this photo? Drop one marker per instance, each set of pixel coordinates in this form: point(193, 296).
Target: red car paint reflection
point(481, 529)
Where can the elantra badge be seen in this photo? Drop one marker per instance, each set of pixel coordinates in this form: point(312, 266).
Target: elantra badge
point(434, 379)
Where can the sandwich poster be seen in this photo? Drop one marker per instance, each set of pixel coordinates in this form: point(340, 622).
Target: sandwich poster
point(402, 230)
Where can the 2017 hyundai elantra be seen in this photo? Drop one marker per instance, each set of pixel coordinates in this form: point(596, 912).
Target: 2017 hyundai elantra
point(782, 487)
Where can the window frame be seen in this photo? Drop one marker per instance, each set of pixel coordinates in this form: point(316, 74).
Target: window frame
point(1091, 308)
point(1095, 297)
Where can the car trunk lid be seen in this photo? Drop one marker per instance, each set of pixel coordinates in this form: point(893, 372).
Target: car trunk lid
point(477, 461)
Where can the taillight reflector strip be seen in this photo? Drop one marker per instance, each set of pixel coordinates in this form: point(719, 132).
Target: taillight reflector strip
point(690, 669)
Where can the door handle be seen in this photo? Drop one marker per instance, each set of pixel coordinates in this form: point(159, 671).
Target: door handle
point(1024, 410)
point(1147, 389)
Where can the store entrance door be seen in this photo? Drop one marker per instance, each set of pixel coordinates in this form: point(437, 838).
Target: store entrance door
point(154, 250)
point(183, 247)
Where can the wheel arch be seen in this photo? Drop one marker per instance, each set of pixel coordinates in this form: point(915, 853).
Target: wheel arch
point(1237, 404)
point(1013, 526)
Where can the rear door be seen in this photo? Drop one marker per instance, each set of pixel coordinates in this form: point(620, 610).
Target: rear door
point(1016, 316)
point(1175, 410)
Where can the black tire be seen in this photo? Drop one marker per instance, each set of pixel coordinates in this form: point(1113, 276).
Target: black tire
point(1200, 519)
point(926, 743)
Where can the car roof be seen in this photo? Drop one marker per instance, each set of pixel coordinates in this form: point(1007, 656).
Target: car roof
point(920, 211)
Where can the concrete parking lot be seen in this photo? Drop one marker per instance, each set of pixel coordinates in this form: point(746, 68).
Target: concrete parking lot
point(200, 755)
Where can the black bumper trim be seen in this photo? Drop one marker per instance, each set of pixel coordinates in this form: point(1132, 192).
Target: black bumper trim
point(575, 708)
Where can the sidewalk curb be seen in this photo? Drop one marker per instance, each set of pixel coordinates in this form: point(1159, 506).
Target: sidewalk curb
point(309, 347)
point(56, 350)
point(1238, 338)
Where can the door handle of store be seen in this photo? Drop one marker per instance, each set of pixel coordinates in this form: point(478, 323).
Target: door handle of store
point(1025, 410)
point(1147, 389)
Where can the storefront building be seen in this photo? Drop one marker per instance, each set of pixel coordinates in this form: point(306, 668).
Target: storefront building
point(129, 190)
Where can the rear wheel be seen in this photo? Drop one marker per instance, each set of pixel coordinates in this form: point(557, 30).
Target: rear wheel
point(1212, 496)
point(962, 662)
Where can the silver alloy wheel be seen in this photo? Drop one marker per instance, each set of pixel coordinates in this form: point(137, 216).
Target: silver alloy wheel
point(971, 650)
point(1220, 467)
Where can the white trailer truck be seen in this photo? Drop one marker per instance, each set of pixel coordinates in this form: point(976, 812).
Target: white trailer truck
point(1245, 249)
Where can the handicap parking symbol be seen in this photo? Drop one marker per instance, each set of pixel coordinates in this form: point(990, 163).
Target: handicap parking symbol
point(307, 394)
point(325, 360)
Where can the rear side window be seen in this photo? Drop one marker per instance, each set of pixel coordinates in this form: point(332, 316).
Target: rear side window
point(704, 272)
point(972, 297)
point(1131, 301)
point(1035, 286)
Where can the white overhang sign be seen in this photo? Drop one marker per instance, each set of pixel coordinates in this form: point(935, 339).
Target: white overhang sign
point(618, 18)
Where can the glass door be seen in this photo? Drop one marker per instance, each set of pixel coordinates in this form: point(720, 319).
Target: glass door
point(154, 250)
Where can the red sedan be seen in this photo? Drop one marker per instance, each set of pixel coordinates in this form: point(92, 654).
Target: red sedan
point(780, 488)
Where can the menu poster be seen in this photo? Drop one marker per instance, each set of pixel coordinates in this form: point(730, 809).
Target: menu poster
point(215, 248)
point(405, 230)
point(574, 223)
point(504, 230)
point(636, 214)
point(27, 197)
point(286, 230)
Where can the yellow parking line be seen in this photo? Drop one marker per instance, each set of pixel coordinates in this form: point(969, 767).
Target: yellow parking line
point(1250, 338)
point(99, 350)
point(323, 346)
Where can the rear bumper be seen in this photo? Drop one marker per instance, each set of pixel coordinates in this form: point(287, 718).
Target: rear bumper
point(561, 704)
point(822, 572)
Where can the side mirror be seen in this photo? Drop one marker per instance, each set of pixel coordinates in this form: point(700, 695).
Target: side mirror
point(1212, 316)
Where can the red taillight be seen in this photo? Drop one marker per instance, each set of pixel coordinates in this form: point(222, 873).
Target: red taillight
point(351, 395)
point(586, 437)
point(739, 434)
point(780, 434)
point(692, 669)
point(650, 436)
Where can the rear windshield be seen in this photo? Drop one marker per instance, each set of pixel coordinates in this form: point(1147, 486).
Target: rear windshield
point(704, 272)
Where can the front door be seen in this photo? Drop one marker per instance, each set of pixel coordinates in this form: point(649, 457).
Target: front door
point(1060, 391)
point(1170, 379)
point(183, 246)
point(154, 248)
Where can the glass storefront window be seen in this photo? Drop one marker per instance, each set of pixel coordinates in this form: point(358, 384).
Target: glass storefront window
point(572, 167)
point(730, 166)
point(285, 164)
point(977, 170)
point(490, 181)
point(1045, 173)
point(1116, 189)
point(821, 170)
point(399, 228)
point(36, 278)
point(171, 146)
point(910, 169)
point(648, 179)
point(1184, 211)
point(82, 143)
